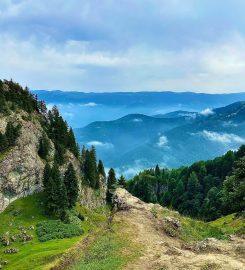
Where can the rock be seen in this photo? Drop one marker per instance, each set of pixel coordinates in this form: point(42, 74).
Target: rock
point(208, 245)
point(174, 222)
point(231, 237)
point(11, 251)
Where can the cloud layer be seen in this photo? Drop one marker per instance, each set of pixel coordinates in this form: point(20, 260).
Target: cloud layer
point(124, 45)
point(224, 138)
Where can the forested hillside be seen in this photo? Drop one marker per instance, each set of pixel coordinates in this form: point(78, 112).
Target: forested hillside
point(38, 151)
point(206, 189)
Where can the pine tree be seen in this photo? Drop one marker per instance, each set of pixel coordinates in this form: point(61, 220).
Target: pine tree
point(71, 184)
point(101, 173)
point(46, 176)
point(111, 180)
point(234, 188)
point(44, 146)
point(71, 143)
point(90, 168)
point(157, 171)
point(122, 181)
point(83, 158)
point(56, 195)
point(12, 133)
point(3, 142)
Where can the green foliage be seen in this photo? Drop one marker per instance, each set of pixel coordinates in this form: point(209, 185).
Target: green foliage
point(101, 170)
point(55, 229)
point(71, 186)
point(44, 146)
point(234, 187)
point(10, 136)
point(111, 180)
point(56, 196)
point(90, 168)
point(122, 181)
point(61, 135)
point(13, 97)
point(29, 211)
point(206, 189)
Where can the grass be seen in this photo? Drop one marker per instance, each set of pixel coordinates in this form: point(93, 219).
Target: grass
point(112, 249)
point(230, 224)
point(24, 213)
point(196, 230)
point(56, 229)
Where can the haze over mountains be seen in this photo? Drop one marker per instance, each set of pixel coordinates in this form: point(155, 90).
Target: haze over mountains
point(81, 109)
point(166, 128)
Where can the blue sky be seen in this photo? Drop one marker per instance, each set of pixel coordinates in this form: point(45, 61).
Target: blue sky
point(124, 45)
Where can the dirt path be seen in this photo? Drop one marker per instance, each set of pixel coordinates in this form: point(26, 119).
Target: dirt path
point(162, 252)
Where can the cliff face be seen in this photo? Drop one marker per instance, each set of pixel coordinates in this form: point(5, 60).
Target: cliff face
point(21, 168)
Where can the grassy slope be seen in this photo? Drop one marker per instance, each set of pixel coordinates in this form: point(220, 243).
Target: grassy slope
point(113, 249)
point(196, 230)
point(27, 212)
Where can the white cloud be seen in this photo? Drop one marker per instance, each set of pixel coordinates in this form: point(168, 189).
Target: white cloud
point(225, 138)
point(100, 144)
point(137, 120)
point(207, 112)
point(90, 104)
point(162, 141)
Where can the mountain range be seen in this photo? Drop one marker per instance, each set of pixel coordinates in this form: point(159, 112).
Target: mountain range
point(179, 138)
point(81, 109)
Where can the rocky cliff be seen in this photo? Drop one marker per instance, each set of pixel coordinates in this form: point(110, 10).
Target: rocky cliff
point(24, 123)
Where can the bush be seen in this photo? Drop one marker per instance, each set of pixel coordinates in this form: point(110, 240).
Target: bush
point(56, 229)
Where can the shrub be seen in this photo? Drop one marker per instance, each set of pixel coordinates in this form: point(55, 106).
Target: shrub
point(56, 229)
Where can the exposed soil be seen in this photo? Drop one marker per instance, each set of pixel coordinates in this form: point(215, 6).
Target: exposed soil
point(162, 252)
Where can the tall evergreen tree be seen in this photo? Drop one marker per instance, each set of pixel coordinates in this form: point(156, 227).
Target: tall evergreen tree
point(44, 146)
point(46, 176)
point(71, 184)
point(90, 168)
point(122, 181)
point(234, 188)
point(56, 195)
point(3, 142)
point(111, 180)
point(71, 143)
point(101, 173)
point(157, 171)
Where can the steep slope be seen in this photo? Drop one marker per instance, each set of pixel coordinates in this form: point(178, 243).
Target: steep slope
point(31, 137)
point(162, 234)
point(149, 237)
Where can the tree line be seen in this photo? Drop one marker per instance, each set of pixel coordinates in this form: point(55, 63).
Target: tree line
point(206, 189)
point(10, 136)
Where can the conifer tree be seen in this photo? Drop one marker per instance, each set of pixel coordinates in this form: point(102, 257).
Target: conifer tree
point(122, 181)
point(56, 195)
point(71, 185)
point(43, 146)
point(3, 142)
point(90, 168)
point(157, 171)
point(46, 176)
point(101, 173)
point(71, 143)
point(111, 180)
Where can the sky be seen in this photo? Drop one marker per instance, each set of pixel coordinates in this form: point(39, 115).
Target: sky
point(124, 45)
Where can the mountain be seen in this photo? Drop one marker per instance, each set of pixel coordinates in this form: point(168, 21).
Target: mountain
point(136, 141)
point(33, 139)
point(107, 106)
point(177, 114)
